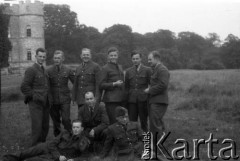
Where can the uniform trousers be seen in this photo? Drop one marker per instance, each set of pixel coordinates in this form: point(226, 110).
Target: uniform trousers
point(39, 149)
point(139, 109)
point(110, 108)
point(39, 114)
point(156, 113)
point(60, 113)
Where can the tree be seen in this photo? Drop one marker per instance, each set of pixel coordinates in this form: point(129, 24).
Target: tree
point(170, 58)
point(191, 47)
point(164, 39)
point(82, 37)
point(60, 23)
point(139, 40)
point(214, 40)
point(120, 36)
point(231, 52)
point(5, 44)
point(59, 19)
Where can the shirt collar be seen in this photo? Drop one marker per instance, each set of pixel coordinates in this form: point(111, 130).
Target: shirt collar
point(39, 64)
point(139, 66)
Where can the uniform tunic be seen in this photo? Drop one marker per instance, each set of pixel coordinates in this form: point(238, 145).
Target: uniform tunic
point(136, 81)
point(126, 138)
point(86, 79)
point(35, 87)
point(59, 77)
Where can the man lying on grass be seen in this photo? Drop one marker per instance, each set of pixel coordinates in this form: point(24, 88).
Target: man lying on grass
point(66, 147)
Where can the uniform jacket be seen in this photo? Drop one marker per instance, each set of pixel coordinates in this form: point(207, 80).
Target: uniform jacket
point(59, 84)
point(159, 85)
point(35, 85)
point(127, 139)
point(111, 73)
point(86, 79)
point(69, 145)
point(97, 121)
point(136, 82)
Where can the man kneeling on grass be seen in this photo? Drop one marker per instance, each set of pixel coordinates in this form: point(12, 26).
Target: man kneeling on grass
point(66, 147)
point(126, 136)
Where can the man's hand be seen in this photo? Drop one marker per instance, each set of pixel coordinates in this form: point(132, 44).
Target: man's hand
point(91, 133)
point(62, 158)
point(70, 160)
point(146, 90)
point(118, 83)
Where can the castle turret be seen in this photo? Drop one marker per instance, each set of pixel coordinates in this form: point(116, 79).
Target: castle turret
point(26, 32)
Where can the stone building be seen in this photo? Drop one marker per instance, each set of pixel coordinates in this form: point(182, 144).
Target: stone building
point(26, 32)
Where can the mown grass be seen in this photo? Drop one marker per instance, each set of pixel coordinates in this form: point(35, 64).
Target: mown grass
point(201, 102)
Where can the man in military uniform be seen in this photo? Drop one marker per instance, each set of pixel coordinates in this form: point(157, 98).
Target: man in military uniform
point(94, 118)
point(68, 146)
point(112, 83)
point(35, 87)
point(136, 81)
point(158, 92)
point(86, 78)
point(59, 76)
point(125, 136)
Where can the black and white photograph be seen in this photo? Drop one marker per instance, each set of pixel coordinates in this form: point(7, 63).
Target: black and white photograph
point(119, 80)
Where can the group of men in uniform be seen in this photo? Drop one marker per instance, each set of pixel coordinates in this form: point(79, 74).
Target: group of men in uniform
point(142, 89)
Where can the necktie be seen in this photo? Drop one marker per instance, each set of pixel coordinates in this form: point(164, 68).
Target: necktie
point(136, 68)
point(91, 110)
point(42, 68)
point(58, 68)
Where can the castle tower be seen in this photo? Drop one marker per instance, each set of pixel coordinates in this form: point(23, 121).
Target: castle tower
point(26, 32)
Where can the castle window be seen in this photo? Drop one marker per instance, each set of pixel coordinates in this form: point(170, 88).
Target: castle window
point(29, 54)
point(29, 31)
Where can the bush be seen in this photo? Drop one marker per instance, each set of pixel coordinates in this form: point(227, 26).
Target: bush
point(196, 66)
point(214, 65)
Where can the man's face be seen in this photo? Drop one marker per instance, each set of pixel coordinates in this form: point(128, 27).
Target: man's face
point(123, 119)
point(77, 128)
point(86, 56)
point(40, 57)
point(113, 57)
point(151, 60)
point(58, 59)
point(136, 59)
point(90, 99)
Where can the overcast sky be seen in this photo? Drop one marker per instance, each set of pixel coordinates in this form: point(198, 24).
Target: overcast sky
point(199, 16)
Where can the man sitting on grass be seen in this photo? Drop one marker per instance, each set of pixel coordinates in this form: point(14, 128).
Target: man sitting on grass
point(95, 121)
point(126, 136)
point(66, 147)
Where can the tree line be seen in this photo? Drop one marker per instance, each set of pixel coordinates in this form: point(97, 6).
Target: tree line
point(185, 50)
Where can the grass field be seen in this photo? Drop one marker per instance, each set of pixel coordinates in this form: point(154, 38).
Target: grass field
point(201, 102)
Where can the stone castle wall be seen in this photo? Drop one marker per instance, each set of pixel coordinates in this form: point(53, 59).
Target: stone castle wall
point(23, 15)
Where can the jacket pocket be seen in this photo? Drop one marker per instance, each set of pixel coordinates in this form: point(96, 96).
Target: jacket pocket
point(39, 96)
point(90, 77)
point(119, 139)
